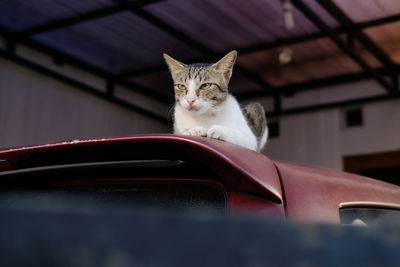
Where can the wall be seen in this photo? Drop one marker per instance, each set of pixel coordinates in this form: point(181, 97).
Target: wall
point(320, 138)
point(37, 109)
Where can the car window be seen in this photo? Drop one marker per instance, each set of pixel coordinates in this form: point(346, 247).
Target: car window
point(368, 215)
point(168, 185)
point(167, 196)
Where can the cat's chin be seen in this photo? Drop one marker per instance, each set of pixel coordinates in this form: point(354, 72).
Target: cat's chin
point(194, 111)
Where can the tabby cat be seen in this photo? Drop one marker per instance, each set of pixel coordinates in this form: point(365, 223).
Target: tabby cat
point(204, 107)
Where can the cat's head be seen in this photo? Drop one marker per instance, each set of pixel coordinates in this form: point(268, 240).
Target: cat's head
point(201, 88)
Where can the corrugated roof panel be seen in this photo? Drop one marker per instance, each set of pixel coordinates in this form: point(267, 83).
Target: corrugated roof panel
point(21, 14)
point(365, 10)
point(388, 38)
point(117, 43)
point(226, 24)
point(125, 42)
point(322, 13)
point(311, 60)
point(365, 54)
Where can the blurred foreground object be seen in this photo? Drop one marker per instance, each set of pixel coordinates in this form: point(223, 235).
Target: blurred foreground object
point(115, 237)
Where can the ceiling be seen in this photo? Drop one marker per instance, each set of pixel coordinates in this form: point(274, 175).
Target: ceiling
point(333, 41)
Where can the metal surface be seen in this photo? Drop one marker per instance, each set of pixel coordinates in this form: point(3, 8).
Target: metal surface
point(254, 184)
point(315, 194)
point(242, 169)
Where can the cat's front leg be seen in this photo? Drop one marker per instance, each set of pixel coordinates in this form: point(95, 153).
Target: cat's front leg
point(196, 131)
point(220, 132)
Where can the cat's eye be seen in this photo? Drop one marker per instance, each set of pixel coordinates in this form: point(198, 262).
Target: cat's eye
point(180, 86)
point(205, 85)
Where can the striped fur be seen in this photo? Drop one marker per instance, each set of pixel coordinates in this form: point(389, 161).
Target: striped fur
point(204, 107)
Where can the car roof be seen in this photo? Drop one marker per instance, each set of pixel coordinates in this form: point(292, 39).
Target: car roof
point(239, 168)
point(242, 169)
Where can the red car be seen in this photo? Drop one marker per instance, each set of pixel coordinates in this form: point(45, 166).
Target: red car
point(185, 173)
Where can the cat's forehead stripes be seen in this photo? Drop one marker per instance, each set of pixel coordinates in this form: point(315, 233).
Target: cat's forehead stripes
point(192, 85)
point(198, 72)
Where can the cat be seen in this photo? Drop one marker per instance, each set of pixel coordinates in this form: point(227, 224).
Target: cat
point(205, 108)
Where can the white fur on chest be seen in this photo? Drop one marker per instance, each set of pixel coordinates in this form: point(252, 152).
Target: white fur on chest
point(228, 120)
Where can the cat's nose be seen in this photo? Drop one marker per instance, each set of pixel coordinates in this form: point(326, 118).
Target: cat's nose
point(190, 101)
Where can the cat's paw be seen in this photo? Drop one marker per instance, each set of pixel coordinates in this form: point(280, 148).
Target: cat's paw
point(196, 131)
point(219, 132)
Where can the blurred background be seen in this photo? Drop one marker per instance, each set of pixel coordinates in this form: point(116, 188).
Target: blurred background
point(326, 71)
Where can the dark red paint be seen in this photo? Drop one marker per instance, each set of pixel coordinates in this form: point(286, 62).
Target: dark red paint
point(253, 184)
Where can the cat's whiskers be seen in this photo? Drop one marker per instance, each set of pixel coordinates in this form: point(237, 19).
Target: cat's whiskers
point(170, 110)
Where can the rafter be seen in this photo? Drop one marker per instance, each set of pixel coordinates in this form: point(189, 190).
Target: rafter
point(295, 87)
point(241, 51)
point(332, 105)
point(322, 82)
point(88, 16)
point(272, 45)
point(379, 21)
point(318, 35)
point(314, 18)
point(356, 33)
point(352, 29)
point(181, 36)
point(313, 84)
point(78, 63)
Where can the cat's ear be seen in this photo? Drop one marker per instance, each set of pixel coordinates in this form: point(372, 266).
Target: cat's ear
point(174, 65)
point(225, 64)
